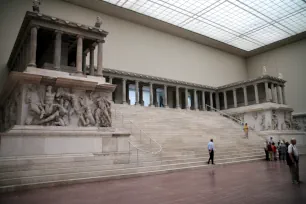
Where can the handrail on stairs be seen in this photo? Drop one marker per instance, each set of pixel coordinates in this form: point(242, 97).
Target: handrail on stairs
point(236, 120)
point(141, 133)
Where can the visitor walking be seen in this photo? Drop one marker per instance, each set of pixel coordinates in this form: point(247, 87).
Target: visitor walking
point(211, 150)
point(271, 140)
point(270, 151)
point(282, 151)
point(293, 161)
point(274, 151)
point(246, 130)
point(266, 150)
point(161, 101)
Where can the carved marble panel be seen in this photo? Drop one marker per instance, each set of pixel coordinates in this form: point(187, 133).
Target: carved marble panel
point(9, 112)
point(55, 106)
point(299, 122)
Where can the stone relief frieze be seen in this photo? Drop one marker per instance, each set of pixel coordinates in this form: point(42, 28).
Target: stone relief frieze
point(287, 125)
point(274, 122)
point(10, 110)
point(299, 123)
point(50, 106)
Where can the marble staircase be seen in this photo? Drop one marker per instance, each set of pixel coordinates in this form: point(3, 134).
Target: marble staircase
point(183, 136)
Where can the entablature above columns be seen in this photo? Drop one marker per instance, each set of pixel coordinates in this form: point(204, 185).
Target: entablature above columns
point(55, 24)
point(155, 80)
point(250, 82)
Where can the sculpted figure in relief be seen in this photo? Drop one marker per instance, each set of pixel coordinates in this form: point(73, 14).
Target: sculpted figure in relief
point(263, 122)
point(274, 120)
point(48, 112)
point(103, 113)
point(63, 108)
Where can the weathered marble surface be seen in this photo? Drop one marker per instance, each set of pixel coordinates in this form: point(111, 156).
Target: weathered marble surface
point(263, 117)
point(299, 122)
point(53, 106)
point(38, 140)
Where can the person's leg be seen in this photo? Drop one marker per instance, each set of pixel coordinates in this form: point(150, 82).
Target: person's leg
point(297, 172)
point(270, 155)
point(267, 155)
point(209, 158)
point(212, 157)
point(292, 173)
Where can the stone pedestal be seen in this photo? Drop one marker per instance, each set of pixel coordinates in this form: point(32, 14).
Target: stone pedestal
point(264, 117)
point(31, 140)
point(51, 112)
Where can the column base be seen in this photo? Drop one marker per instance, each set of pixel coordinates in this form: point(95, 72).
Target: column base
point(80, 74)
point(32, 65)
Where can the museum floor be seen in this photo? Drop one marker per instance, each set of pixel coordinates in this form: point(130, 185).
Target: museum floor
point(258, 182)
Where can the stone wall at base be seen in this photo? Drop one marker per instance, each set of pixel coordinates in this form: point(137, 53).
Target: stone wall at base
point(37, 140)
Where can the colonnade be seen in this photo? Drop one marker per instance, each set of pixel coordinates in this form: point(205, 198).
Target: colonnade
point(180, 99)
point(224, 98)
point(81, 53)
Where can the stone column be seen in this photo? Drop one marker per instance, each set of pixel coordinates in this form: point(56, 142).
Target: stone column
point(151, 95)
point(165, 96)
point(57, 49)
point(111, 82)
point(280, 94)
point(276, 94)
point(273, 93)
point(235, 98)
point(124, 91)
point(211, 99)
point(33, 46)
point(186, 99)
point(203, 101)
point(100, 58)
point(136, 93)
point(256, 93)
point(267, 91)
point(79, 54)
point(284, 96)
point(84, 63)
point(177, 94)
point(225, 100)
point(140, 94)
point(195, 98)
point(245, 94)
point(92, 61)
point(217, 100)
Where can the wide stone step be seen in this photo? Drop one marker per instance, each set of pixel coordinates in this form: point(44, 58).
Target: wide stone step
point(99, 167)
point(13, 184)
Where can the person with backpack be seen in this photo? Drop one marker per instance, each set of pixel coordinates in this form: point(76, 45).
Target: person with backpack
point(293, 161)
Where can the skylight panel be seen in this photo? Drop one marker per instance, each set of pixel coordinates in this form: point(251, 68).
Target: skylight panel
point(245, 24)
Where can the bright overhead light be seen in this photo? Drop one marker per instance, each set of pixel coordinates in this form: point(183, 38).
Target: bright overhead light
point(245, 24)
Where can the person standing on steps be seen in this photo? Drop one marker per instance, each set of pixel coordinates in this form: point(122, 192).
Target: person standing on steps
point(246, 130)
point(211, 150)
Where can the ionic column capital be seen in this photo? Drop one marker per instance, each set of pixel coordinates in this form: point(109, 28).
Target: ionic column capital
point(100, 41)
point(58, 32)
point(80, 37)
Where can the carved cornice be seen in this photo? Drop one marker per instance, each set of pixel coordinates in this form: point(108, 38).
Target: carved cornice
point(63, 22)
point(156, 79)
point(249, 81)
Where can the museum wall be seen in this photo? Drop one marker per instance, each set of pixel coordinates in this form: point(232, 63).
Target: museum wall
point(132, 47)
point(289, 60)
